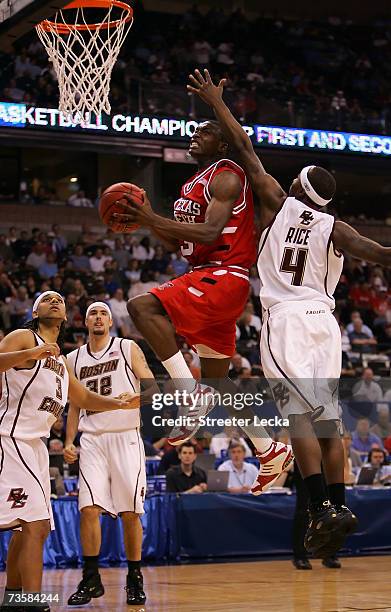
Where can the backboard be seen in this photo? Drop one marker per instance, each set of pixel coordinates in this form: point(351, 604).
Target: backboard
point(17, 17)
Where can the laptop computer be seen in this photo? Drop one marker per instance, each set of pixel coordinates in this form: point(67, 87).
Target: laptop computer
point(217, 481)
point(366, 475)
point(206, 462)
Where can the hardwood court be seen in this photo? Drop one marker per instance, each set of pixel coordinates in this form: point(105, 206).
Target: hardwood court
point(362, 584)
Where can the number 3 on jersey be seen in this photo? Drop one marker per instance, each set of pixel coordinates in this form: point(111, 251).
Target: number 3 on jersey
point(187, 249)
point(294, 261)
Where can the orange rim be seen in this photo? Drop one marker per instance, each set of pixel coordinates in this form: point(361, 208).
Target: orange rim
point(64, 28)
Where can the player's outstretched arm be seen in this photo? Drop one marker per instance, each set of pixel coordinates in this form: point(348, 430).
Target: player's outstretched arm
point(225, 190)
point(144, 374)
point(19, 347)
point(346, 238)
point(84, 398)
point(264, 185)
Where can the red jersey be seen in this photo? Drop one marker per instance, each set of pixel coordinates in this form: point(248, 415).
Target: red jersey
point(236, 244)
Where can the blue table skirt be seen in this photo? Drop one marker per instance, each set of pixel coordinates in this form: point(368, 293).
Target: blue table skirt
point(211, 525)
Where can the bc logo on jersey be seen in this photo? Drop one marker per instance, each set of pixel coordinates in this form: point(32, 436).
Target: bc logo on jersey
point(18, 497)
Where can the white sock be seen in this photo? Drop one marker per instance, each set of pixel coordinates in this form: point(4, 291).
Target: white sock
point(263, 445)
point(179, 371)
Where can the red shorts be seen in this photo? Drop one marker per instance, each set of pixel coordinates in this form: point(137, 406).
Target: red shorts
point(205, 304)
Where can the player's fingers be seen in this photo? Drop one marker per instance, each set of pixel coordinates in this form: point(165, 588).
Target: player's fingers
point(208, 78)
point(195, 82)
point(222, 83)
point(124, 218)
point(199, 76)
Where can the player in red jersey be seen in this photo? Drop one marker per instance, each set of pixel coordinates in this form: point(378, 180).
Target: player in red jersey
point(214, 226)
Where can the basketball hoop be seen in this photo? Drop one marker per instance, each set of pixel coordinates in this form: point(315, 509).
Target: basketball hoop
point(83, 54)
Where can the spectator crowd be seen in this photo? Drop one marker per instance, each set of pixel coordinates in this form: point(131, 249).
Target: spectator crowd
point(330, 74)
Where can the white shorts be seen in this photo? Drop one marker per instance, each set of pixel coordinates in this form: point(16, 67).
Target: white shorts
point(24, 482)
point(112, 472)
point(301, 358)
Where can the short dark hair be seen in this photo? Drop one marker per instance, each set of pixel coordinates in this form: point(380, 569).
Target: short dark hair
point(377, 450)
point(323, 182)
point(187, 444)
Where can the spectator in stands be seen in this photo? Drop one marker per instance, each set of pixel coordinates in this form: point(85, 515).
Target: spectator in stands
point(354, 316)
point(37, 257)
point(6, 252)
point(22, 246)
point(382, 428)
point(20, 307)
point(220, 442)
point(360, 341)
point(238, 362)
point(377, 458)
point(59, 242)
point(80, 261)
point(160, 260)
point(133, 271)
point(120, 313)
point(241, 474)
point(142, 250)
point(146, 283)
point(367, 390)
point(7, 291)
point(179, 263)
point(75, 334)
point(79, 200)
point(363, 440)
point(49, 268)
point(120, 254)
point(72, 308)
point(186, 477)
point(97, 261)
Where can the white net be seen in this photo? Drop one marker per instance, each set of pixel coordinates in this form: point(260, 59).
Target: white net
point(83, 57)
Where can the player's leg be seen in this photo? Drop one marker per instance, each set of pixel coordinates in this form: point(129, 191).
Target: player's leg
point(14, 578)
point(300, 522)
point(94, 496)
point(34, 535)
point(274, 457)
point(90, 535)
point(128, 487)
point(133, 539)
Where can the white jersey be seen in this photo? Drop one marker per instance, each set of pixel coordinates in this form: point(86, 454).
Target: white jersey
point(297, 260)
point(33, 398)
point(107, 373)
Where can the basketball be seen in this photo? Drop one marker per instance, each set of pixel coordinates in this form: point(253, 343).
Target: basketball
point(110, 202)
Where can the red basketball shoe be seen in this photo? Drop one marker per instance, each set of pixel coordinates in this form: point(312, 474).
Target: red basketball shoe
point(205, 401)
point(277, 459)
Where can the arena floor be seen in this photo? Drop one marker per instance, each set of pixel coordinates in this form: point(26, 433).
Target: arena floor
point(362, 584)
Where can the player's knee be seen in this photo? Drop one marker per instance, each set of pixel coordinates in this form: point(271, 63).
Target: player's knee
point(131, 517)
point(90, 512)
point(38, 530)
point(300, 424)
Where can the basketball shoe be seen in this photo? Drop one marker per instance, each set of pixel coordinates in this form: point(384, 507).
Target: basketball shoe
point(190, 414)
point(87, 589)
point(272, 464)
point(135, 589)
point(324, 527)
point(347, 524)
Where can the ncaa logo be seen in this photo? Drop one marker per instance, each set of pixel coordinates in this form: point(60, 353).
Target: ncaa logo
point(165, 286)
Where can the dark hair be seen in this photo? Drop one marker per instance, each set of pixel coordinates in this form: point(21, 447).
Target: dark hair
point(377, 450)
point(323, 182)
point(34, 325)
point(187, 444)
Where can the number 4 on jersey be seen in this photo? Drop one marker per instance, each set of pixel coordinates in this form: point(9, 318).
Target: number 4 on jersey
point(293, 261)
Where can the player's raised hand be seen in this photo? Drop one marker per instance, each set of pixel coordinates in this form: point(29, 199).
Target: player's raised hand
point(203, 86)
point(70, 453)
point(49, 349)
point(129, 401)
point(134, 212)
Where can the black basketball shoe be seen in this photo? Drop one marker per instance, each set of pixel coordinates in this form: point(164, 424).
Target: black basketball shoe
point(87, 589)
point(135, 595)
point(347, 524)
point(323, 523)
